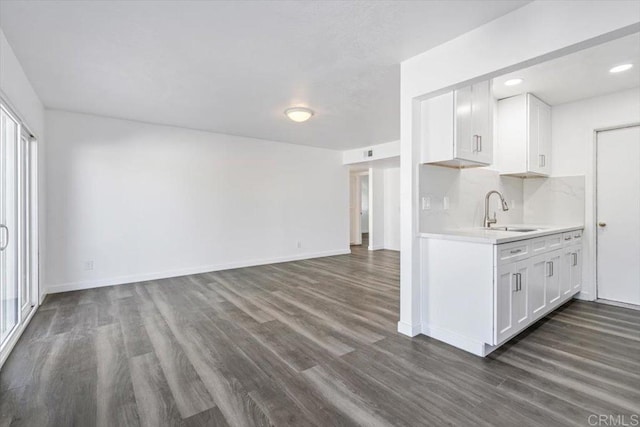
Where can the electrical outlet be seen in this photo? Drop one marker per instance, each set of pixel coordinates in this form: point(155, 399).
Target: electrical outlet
point(445, 203)
point(88, 265)
point(299, 244)
point(426, 203)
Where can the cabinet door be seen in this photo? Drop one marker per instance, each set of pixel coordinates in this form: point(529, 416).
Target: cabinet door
point(482, 122)
point(505, 288)
point(536, 285)
point(520, 298)
point(539, 133)
point(436, 132)
point(576, 270)
point(553, 277)
point(544, 138)
point(568, 259)
point(464, 143)
point(533, 133)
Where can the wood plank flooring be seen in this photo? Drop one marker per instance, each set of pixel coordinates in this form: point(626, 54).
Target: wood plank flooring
point(310, 342)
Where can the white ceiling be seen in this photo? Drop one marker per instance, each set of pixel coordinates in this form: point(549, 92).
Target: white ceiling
point(233, 67)
point(580, 75)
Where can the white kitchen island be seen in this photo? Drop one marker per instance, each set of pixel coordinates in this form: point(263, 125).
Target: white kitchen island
point(482, 287)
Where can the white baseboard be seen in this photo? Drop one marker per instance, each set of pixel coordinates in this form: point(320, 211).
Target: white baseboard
point(409, 330)
point(456, 340)
point(376, 248)
point(618, 304)
point(121, 280)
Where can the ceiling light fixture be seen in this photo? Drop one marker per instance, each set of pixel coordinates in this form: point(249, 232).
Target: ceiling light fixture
point(621, 68)
point(513, 82)
point(299, 114)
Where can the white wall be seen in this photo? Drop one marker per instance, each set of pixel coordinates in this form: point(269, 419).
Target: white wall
point(17, 91)
point(572, 127)
point(392, 209)
point(572, 134)
point(379, 151)
point(145, 201)
point(531, 34)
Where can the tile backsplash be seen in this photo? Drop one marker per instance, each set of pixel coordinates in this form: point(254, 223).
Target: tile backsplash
point(557, 200)
point(534, 201)
point(466, 189)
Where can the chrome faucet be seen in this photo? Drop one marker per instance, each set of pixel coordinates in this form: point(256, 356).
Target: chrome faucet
point(488, 221)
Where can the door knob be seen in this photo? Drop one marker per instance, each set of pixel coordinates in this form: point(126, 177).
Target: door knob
point(602, 224)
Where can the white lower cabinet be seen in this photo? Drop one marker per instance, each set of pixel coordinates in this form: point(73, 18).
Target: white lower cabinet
point(537, 287)
point(512, 285)
point(527, 288)
point(477, 295)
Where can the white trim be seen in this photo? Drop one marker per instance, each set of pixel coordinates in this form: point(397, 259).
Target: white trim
point(472, 346)
point(409, 330)
point(121, 280)
point(375, 248)
point(15, 336)
point(618, 304)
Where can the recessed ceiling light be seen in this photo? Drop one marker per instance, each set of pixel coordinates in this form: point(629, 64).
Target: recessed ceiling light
point(621, 68)
point(513, 82)
point(299, 114)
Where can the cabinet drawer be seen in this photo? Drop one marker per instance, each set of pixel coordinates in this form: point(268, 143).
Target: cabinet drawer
point(546, 243)
point(513, 251)
point(572, 237)
point(554, 241)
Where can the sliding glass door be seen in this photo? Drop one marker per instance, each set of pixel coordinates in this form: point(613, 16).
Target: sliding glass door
point(18, 247)
point(8, 225)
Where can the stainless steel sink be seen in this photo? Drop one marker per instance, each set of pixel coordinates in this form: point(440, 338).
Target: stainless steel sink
point(514, 229)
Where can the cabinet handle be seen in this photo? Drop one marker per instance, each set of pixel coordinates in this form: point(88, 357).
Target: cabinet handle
point(515, 282)
point(549, 268)
point(567, 238)
point(518, 281)
point(516, 251)
point(479, 143)
point(575, 258)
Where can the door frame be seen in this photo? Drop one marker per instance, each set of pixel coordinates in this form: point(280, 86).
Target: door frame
point(358, 176)
point(37, 296)
point(594, 182)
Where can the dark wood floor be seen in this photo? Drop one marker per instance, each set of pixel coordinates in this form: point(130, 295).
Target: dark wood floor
point(304, 343)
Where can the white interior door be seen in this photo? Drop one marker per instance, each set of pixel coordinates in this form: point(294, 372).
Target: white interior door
point(618, 204)
point(355, 203)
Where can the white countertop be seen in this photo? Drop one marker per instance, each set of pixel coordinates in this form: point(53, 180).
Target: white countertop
point(494, 237)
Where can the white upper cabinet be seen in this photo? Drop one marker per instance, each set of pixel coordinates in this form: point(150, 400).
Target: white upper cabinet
point(457, 127)
point(524, 136)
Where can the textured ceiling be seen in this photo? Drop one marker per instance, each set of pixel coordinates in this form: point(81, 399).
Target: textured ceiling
point(233, 67)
